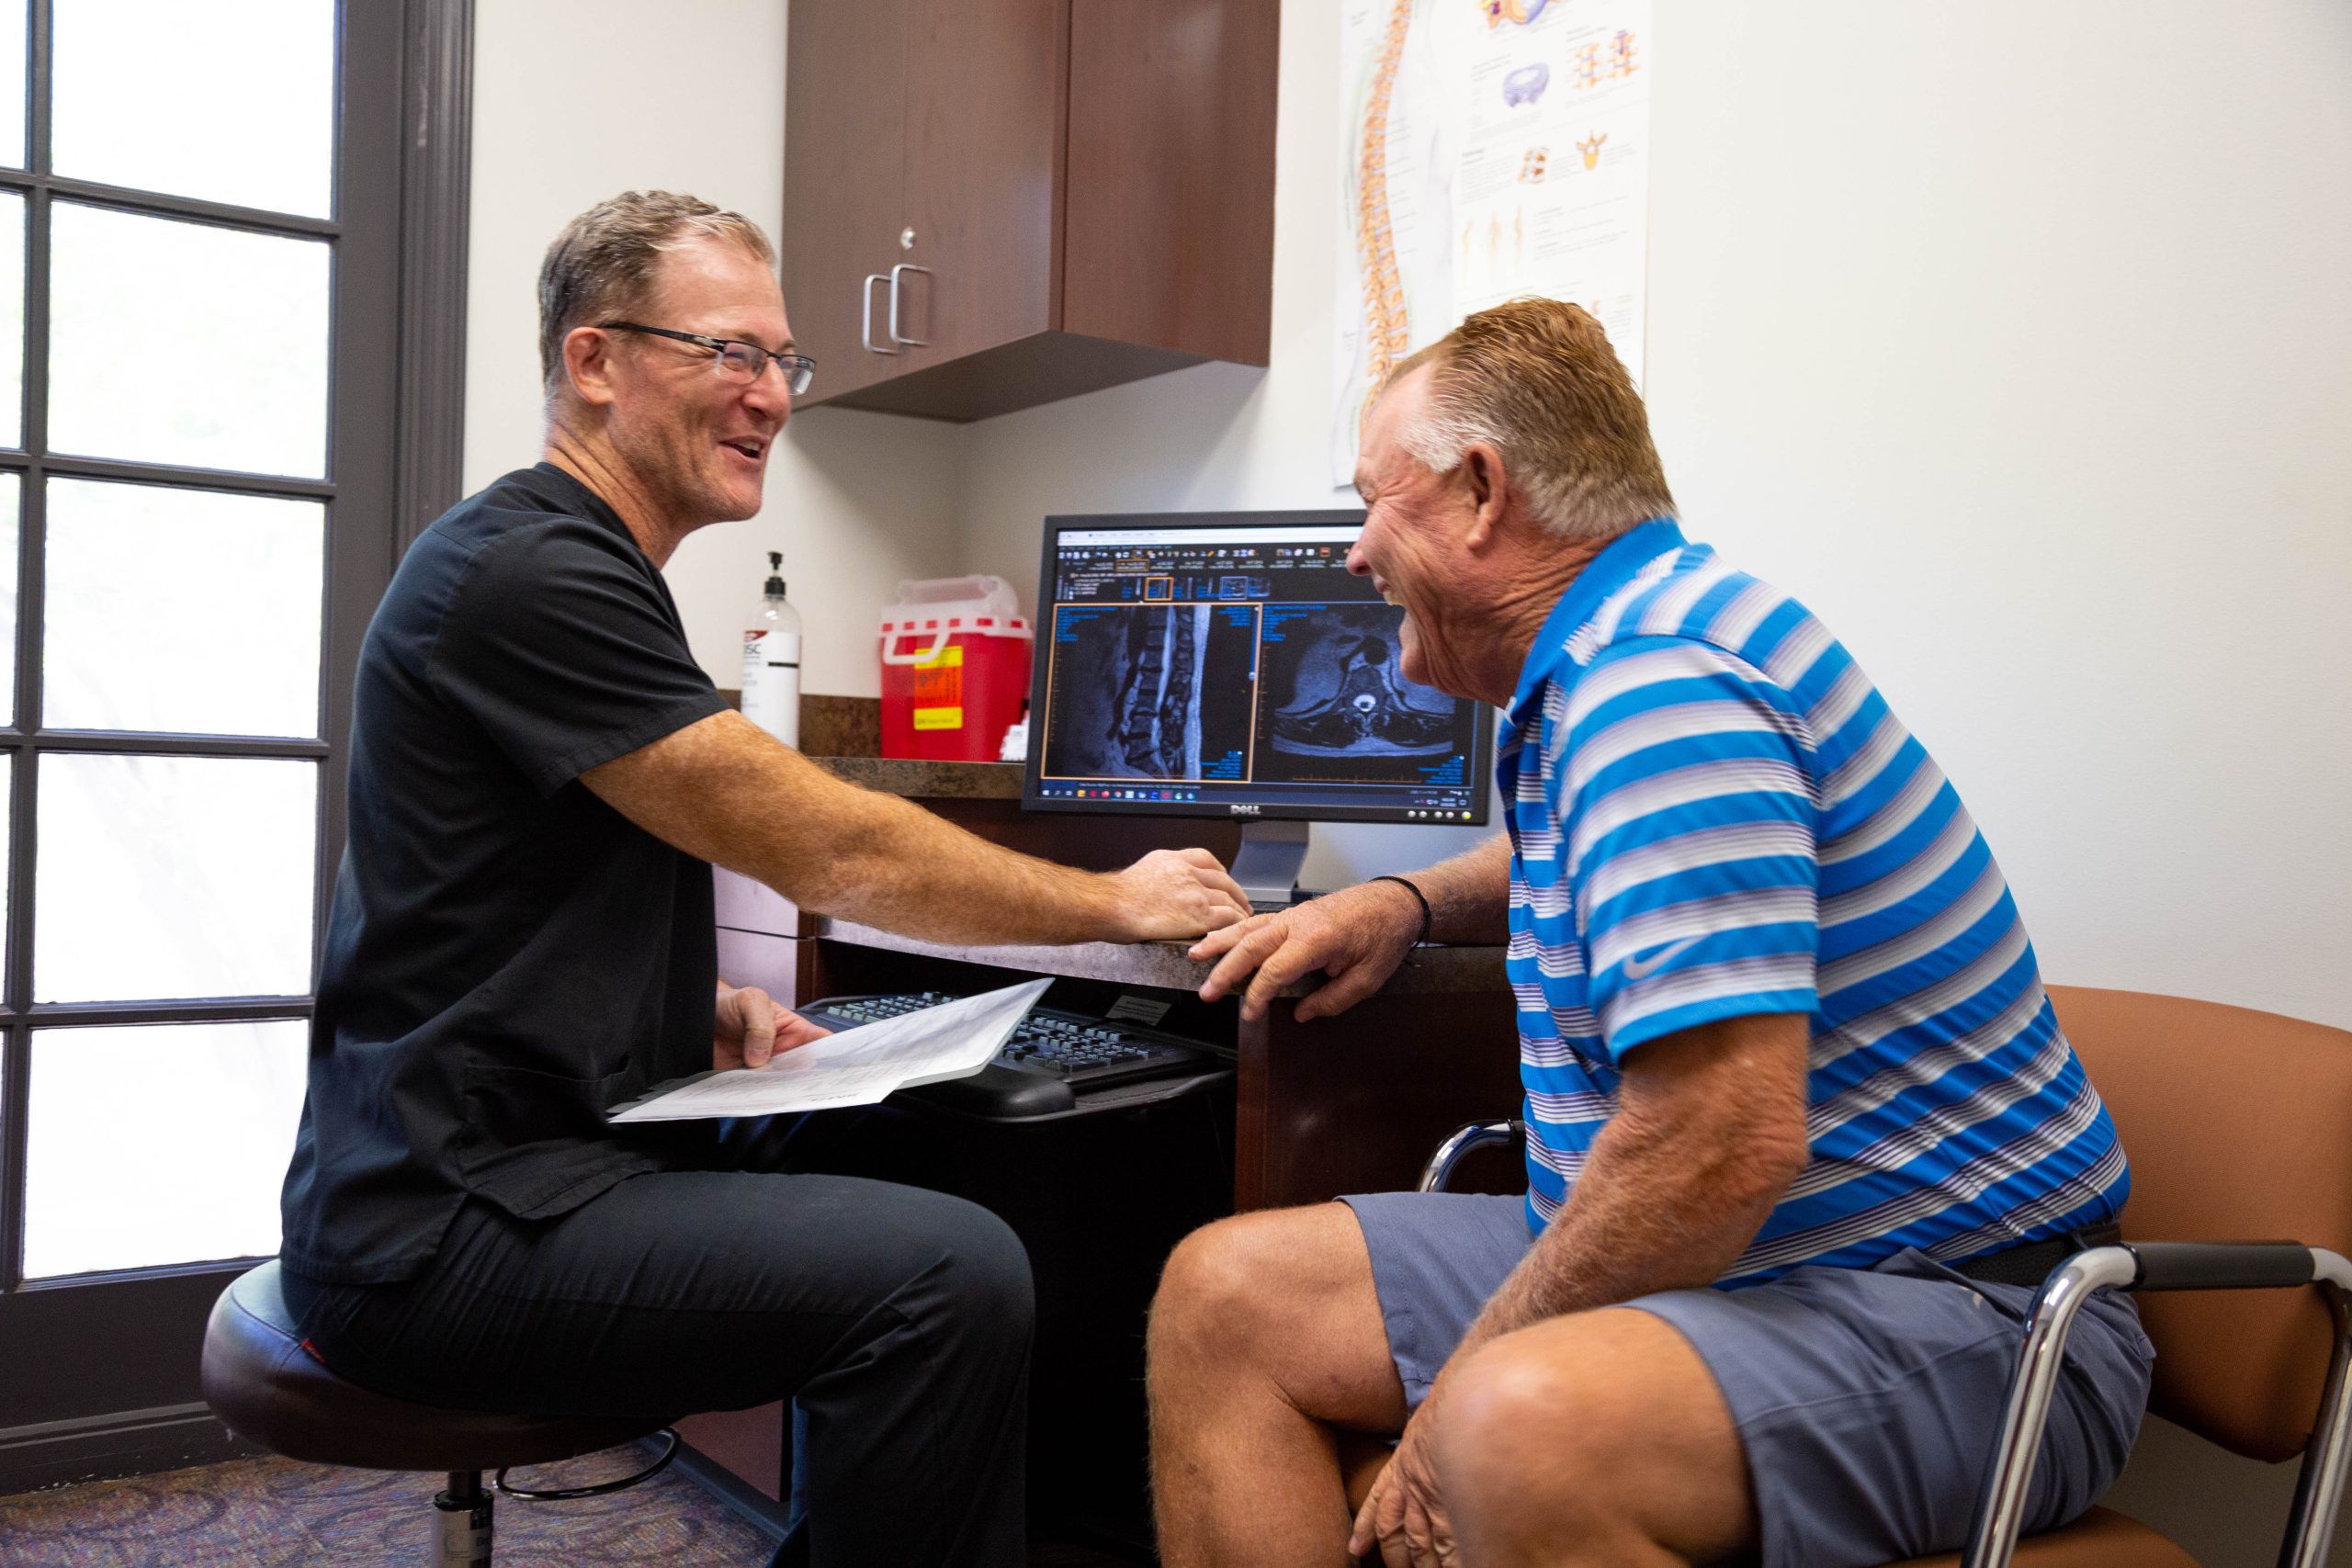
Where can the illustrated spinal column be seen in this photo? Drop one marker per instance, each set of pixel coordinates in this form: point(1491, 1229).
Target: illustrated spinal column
point(1387, 330)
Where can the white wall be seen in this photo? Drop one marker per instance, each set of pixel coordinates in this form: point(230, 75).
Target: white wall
point(575, 100)
point(2012, 337)
point(2015, 340)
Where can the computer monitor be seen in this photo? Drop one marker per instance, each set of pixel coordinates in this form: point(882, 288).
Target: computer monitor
point(1229, 665)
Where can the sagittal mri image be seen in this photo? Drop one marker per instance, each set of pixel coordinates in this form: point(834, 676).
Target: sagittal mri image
point(1151, 692)
point(1336, 691)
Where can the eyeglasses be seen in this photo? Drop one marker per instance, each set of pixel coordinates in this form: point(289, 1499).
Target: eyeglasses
point(742, 362)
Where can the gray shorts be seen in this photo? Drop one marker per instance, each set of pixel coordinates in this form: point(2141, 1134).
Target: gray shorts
point(1867, 1401)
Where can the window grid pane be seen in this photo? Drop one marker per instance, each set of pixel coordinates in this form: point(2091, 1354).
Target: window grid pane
point(158, 1143)
point(233, 104)
point(163, 878)
point(254, 847)
point(15, 20)
point(181, 611)
point(11, 511)
point(12, 319)
point(233, 376)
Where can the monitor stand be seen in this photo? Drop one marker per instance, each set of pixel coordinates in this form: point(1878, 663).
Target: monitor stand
point(1267, 863)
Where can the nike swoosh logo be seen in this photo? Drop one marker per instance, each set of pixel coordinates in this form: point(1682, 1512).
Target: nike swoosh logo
point(1643, 969)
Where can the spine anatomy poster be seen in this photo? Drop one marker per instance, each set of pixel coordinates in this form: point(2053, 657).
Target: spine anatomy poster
point(1491, 149)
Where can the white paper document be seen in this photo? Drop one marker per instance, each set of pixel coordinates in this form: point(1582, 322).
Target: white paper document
point(856, 1066)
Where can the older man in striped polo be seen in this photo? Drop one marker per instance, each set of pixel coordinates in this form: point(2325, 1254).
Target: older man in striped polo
point(1797, 1101)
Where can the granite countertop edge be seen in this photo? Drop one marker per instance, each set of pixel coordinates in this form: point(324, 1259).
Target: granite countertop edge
point(1165, 964)
point(920, 779)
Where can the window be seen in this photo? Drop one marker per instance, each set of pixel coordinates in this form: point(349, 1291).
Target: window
point(204, 266)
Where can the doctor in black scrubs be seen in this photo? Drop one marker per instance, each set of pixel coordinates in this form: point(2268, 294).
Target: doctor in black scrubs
point(541, 779)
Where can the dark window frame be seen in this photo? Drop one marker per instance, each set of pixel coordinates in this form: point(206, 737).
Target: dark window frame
point(396, 325)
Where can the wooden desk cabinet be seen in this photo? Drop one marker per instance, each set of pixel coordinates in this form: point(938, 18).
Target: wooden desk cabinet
point(996, 203)
point(1346, 1104)
point(1349, 1104)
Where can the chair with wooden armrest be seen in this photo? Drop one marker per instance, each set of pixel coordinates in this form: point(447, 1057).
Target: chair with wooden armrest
point(2235, 1124)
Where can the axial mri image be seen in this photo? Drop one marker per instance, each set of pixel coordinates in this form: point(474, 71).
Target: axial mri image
point(1337, 692)
point(1151, 692)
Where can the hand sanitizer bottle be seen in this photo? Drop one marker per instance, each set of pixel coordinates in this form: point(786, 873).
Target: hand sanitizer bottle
point(772, 660)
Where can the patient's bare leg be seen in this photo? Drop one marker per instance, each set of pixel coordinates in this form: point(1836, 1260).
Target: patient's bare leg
point(1596, 1438)
point(1265, 1336)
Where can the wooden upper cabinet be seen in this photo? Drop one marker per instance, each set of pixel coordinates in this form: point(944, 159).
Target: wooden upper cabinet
point(983, 143)
point(1053, 196)
point(847, 223)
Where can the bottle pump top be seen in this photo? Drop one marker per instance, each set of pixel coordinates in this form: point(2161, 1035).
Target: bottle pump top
point(774, 590)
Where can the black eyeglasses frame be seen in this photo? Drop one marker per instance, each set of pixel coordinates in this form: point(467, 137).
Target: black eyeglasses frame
point(797, 369)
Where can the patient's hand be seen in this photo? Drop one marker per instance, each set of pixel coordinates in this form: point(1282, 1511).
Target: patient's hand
point(748, 1029)
point(1357, 937)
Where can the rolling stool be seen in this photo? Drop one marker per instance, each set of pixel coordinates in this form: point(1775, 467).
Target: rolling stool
point(270, 1388)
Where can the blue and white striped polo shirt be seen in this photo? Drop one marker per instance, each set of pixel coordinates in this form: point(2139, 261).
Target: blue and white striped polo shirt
point(1713, 814)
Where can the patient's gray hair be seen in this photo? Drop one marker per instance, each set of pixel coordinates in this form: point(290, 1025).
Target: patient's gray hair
point(1537, 380)
point(601, 266)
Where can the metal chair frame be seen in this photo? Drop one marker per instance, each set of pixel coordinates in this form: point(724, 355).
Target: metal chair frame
point(2131, 1265)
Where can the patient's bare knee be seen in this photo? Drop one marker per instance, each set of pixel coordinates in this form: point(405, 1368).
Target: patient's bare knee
point(1598, 1436)
point(1506, 1434)
point(1224, 1290)
point(1283, 1285)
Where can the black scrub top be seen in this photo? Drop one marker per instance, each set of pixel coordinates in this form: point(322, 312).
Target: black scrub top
point(508, 955)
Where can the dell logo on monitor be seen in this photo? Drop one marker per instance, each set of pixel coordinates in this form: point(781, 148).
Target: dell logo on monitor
point(1239, 809)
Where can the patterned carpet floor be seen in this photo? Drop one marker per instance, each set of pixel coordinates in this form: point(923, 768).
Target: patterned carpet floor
point(274, 1513)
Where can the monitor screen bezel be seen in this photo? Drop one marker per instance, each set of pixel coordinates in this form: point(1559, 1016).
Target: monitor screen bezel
point(1482, 746)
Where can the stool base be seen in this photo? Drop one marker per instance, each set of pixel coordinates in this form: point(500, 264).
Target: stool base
point(461, 1522)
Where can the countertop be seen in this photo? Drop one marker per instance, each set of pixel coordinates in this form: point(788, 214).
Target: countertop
point(1436, 970)
point(919, 780)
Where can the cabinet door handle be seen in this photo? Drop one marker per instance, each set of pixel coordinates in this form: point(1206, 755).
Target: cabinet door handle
point(865, 327)
point(895, 335)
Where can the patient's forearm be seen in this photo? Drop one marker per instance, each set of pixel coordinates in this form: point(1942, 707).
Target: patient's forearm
point(1639, 1220)
point(1709, 1134)
point(1470, 895)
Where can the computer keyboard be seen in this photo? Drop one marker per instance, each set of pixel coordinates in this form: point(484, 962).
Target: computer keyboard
point(1082, 1052)
point(1058, 1055)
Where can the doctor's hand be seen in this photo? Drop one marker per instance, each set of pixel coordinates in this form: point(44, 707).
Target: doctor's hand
point(748, 1029)
point(1357, 937)
point(1174, 896)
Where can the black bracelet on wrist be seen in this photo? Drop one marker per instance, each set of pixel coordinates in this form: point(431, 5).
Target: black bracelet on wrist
point(1423, 939)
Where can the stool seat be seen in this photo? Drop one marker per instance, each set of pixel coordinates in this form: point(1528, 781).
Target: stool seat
point(268, 1388)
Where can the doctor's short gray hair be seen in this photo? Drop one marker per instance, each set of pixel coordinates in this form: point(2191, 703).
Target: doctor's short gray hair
point(601, 266)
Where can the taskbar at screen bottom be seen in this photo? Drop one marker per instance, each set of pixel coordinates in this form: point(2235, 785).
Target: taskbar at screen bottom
point(1457, 807)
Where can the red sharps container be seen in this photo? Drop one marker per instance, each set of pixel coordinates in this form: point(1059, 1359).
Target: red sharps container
point(955, 669)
